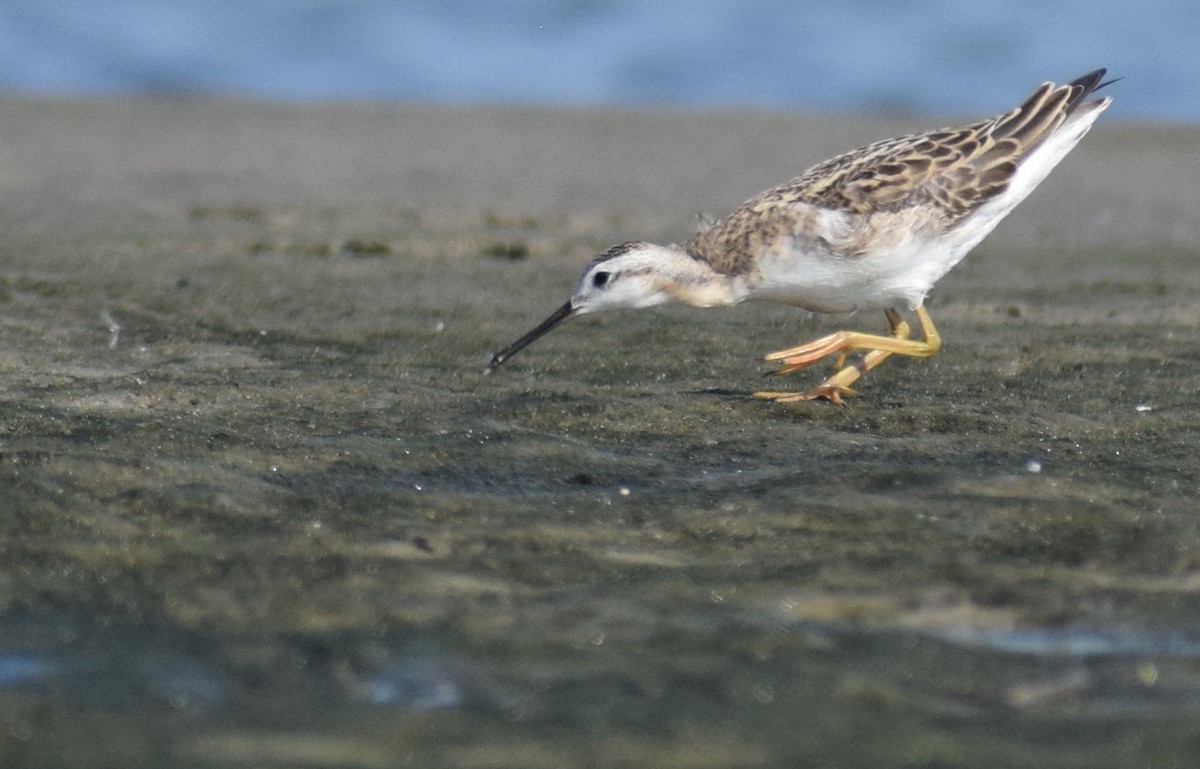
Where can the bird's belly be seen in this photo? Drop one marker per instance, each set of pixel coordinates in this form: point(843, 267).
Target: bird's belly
point(899, 276)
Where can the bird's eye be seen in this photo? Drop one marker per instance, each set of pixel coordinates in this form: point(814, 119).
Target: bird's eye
point(599, 279)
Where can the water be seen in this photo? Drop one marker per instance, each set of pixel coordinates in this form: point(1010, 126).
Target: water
point(858, 55)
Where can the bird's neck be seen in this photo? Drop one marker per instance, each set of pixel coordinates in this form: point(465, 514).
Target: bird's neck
point(692, 281)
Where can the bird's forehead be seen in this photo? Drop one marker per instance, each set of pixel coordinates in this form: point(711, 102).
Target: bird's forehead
point(616, 251)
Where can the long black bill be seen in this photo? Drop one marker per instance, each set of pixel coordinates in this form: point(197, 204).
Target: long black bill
point(561, 314)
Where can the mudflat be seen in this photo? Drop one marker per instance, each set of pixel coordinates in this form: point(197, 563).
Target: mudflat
point(260, 505)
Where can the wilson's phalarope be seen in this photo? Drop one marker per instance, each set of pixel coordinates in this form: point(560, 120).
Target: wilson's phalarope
point(871, 229)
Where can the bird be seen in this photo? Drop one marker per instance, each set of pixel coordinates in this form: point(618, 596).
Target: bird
point(870, 229)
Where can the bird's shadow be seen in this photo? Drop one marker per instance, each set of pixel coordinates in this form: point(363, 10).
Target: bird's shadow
point(720, 392)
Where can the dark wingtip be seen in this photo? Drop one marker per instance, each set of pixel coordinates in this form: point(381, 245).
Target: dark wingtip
point(1091, 80)
point(1088, 84)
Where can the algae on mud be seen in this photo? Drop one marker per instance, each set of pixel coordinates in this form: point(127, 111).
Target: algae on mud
point(260, 506)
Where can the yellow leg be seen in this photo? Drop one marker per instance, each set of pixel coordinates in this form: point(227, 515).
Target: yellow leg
point(842, 343)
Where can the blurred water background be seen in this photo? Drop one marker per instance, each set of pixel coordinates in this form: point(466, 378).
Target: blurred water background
point(865, 55)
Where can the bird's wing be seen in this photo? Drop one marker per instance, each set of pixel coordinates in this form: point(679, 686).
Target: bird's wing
point(956, 169)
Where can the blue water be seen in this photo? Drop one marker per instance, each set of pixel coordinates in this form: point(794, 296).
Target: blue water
point(943, 56)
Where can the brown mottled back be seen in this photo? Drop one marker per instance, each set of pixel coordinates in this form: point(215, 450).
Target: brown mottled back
point(954, 169)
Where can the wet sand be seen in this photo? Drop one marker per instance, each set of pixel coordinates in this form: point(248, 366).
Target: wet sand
point(262, 508)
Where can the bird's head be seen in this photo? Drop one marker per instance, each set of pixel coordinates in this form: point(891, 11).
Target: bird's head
point(630, 275)
point(627, 276)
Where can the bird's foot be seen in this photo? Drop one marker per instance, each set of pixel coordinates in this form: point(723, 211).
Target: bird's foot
point(839, 343)
point(827, 390)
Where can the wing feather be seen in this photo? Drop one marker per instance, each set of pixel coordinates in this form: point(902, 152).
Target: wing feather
point(939, 176)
